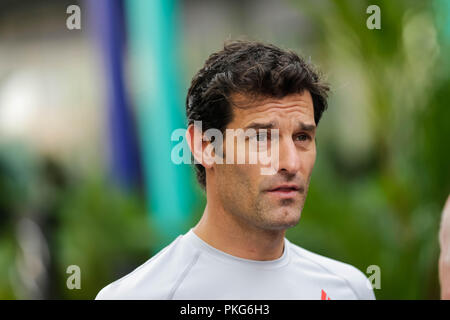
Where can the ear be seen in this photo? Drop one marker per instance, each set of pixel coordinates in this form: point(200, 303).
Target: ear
point(198, 146)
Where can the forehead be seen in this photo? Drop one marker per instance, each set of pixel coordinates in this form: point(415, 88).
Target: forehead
point(293, 107)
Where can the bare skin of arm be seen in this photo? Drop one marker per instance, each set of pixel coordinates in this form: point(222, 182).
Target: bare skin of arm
point(444, 258)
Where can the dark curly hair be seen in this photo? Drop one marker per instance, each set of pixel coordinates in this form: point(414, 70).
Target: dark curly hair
point(254, 69)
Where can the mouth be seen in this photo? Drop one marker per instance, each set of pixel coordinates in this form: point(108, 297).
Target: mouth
point(285, 191)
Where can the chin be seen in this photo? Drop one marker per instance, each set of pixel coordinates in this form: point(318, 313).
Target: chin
point(288, 220)
point(280, 226)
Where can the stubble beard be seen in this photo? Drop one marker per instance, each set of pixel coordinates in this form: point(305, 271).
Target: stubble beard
point(263, 215)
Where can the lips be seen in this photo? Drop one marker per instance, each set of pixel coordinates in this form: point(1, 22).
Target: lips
point(285, 188)
point(285, 191)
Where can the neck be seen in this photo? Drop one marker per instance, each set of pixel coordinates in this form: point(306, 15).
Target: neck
point(231, 235)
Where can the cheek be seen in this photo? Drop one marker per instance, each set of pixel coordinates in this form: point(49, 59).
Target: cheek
point(240, 179)
point(308, 161)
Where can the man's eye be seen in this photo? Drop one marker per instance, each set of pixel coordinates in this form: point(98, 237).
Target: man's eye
point(302, 137)
point(261, 136)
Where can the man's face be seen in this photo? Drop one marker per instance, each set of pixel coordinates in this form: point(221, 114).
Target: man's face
point(256, 199)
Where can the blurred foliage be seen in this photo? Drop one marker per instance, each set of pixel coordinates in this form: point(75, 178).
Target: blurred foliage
point(86, 222)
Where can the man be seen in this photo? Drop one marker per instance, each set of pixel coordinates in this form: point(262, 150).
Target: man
point(238, 249)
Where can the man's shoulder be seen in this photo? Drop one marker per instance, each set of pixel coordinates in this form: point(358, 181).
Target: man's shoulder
point(354, 278)
point(153, 279)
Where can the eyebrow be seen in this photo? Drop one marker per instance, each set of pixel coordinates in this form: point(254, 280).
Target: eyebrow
point(306, 127)
point(258, 125)
point(271, 125)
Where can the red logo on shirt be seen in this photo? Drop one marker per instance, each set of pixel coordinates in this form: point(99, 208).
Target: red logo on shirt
point(325, 296)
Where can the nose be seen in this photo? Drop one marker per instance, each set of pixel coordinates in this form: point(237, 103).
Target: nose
point(289, 158)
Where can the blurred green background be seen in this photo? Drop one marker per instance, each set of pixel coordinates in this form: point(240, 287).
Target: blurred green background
point(381, 177)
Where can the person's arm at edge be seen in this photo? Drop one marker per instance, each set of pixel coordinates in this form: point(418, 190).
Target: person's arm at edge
point(444, 258)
